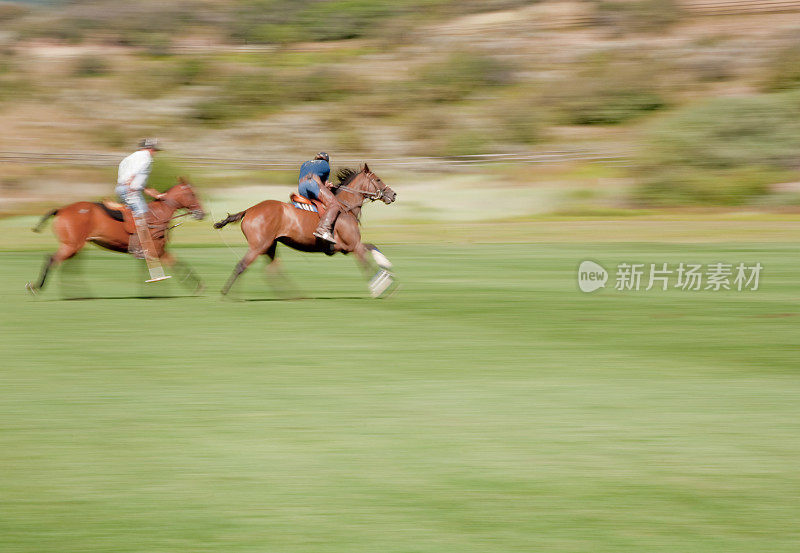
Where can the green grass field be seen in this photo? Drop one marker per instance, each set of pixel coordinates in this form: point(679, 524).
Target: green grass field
point(489, 406)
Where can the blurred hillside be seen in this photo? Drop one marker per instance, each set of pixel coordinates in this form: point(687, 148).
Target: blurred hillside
point(617, 107)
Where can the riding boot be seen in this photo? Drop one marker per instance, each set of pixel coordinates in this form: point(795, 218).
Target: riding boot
point(149, 250)
point(325, 227)
point(135, 246)
point(144, 236)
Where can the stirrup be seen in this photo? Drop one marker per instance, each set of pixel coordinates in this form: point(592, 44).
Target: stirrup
point(325, 235)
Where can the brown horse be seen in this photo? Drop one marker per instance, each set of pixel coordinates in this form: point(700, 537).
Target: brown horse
point(82, 222)
point(271, 221)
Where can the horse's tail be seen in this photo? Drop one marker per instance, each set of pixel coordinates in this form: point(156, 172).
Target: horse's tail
point(38, 227)
point(230, 219)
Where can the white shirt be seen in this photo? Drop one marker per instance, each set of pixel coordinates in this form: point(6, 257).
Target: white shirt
point(135, 169)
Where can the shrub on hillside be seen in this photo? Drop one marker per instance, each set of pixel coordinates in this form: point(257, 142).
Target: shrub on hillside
point(109, 135)
point(90, 66)
point(9, 12)
point(244, 95)
point(520, 118)
point(687, 186)
point(66, 30)
point(724, 151)
point(783, 70)
point(709, 68)
point(191, 70)
point(730, 132)
point(241, 96)
point(345, 19)
point(281, 21)
point(625, 16)
point(458, 76)
point(153, 43)
point(317, 84)
point(608, 91)
point(163, 76)
point(14, 86)
point(463, 141)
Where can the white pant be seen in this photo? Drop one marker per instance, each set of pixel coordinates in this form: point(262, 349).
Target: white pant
point(133, 199)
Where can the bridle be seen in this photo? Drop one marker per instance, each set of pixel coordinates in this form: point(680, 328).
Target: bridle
point(371, 196)
point(172, 204)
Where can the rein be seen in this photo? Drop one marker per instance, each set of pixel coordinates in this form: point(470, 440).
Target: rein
point(165, 222)
point(181, 215)
point(371, 196)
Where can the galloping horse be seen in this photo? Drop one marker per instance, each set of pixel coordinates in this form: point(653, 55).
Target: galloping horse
point(271, 221)
point(82, 222)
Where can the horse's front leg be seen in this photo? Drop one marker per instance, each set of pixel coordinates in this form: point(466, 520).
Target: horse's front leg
point(360, 250)
point(350, 238)
point(381, 260)
point(243, 264)
point(382, 280)
point(184, 271)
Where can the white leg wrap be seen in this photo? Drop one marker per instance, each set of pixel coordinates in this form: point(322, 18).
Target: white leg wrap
point(381, 260)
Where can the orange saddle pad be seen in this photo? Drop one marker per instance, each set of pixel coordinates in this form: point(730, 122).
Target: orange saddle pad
point(306, 204)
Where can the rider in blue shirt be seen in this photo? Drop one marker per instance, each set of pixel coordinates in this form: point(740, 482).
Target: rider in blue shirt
point(313, 183)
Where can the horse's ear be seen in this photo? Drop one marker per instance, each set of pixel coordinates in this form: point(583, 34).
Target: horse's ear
point(181, 180)
point(366, 169)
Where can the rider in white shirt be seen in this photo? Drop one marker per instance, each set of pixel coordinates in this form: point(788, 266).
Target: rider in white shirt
point(132, 177)
point(132, 181)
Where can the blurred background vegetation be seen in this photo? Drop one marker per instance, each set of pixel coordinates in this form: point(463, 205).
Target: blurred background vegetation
point(662, 104)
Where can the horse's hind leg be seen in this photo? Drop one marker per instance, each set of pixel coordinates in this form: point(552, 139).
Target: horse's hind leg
point(243, 264)
point(64, 252)
point(34, 288)
point(276, 278)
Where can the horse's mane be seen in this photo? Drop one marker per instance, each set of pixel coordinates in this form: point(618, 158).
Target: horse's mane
point(346, 176)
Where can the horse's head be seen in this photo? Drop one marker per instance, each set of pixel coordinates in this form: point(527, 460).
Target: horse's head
point(376, 187)
point(184, 197)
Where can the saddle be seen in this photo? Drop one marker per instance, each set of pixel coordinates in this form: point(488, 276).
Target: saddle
point(306, 204)
point(119, 212)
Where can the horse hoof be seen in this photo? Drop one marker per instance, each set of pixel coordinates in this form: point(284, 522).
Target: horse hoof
point(31, 289)
point(380, 283)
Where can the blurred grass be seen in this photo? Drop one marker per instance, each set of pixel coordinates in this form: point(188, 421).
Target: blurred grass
point(526, 416)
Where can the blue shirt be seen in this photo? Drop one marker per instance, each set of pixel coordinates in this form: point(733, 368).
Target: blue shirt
point(318, 167)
